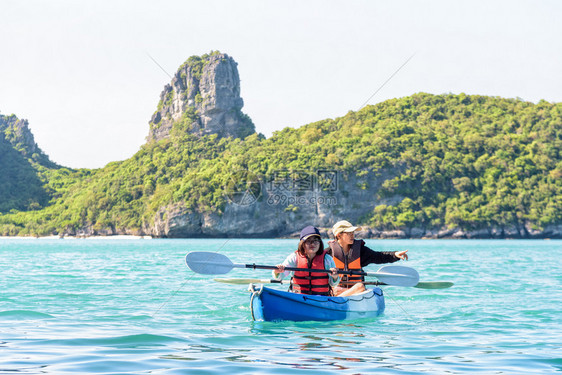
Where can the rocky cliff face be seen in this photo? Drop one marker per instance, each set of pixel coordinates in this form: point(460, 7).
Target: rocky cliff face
point(17, 133)
point(271, 211)
point(275, 209)
point(202, 98)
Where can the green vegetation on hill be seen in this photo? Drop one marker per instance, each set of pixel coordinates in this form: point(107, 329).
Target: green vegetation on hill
point(471, 162)
point(456, 161)
point(20, 186)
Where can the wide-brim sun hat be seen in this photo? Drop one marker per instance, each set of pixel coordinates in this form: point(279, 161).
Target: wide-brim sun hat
point(309, 231)
point(344, 226)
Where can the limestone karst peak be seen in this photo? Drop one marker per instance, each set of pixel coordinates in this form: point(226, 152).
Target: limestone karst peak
point(202, 98)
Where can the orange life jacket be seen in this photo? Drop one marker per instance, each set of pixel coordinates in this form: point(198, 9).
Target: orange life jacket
point(351, 262)
point(310, 282)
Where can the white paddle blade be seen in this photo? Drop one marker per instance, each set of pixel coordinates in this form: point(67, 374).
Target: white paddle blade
point(208, 263)
point(398, 275)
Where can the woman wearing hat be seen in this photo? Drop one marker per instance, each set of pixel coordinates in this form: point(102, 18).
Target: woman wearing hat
point(310, 254)
point(350, 254)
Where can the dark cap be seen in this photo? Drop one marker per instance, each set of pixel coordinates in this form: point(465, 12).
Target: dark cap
point(309, 231)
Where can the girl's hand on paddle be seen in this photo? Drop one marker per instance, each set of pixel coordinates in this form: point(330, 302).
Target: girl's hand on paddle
point(280, 268)
point(401, 254)
point(334, 271)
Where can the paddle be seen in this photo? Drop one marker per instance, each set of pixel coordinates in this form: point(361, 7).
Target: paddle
point(421, 284)
point(251, 281)
point(209, 263)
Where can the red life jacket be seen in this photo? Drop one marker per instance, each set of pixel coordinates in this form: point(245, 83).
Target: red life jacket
point(350, 262)
point(304, 282)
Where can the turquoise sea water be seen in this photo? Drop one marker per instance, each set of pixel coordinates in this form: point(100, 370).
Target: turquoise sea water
point(132, 307)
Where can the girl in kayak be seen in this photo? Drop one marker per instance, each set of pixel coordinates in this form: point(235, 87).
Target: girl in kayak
point(350, 254)
point(310, 254)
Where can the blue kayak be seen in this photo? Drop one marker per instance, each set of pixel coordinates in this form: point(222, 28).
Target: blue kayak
point(274, 305)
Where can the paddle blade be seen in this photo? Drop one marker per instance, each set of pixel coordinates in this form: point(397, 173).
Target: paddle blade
point(398, 275)
point(208, 263)
point(434, 284)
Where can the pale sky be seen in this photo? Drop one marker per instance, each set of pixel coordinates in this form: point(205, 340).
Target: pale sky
point(80, 73)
